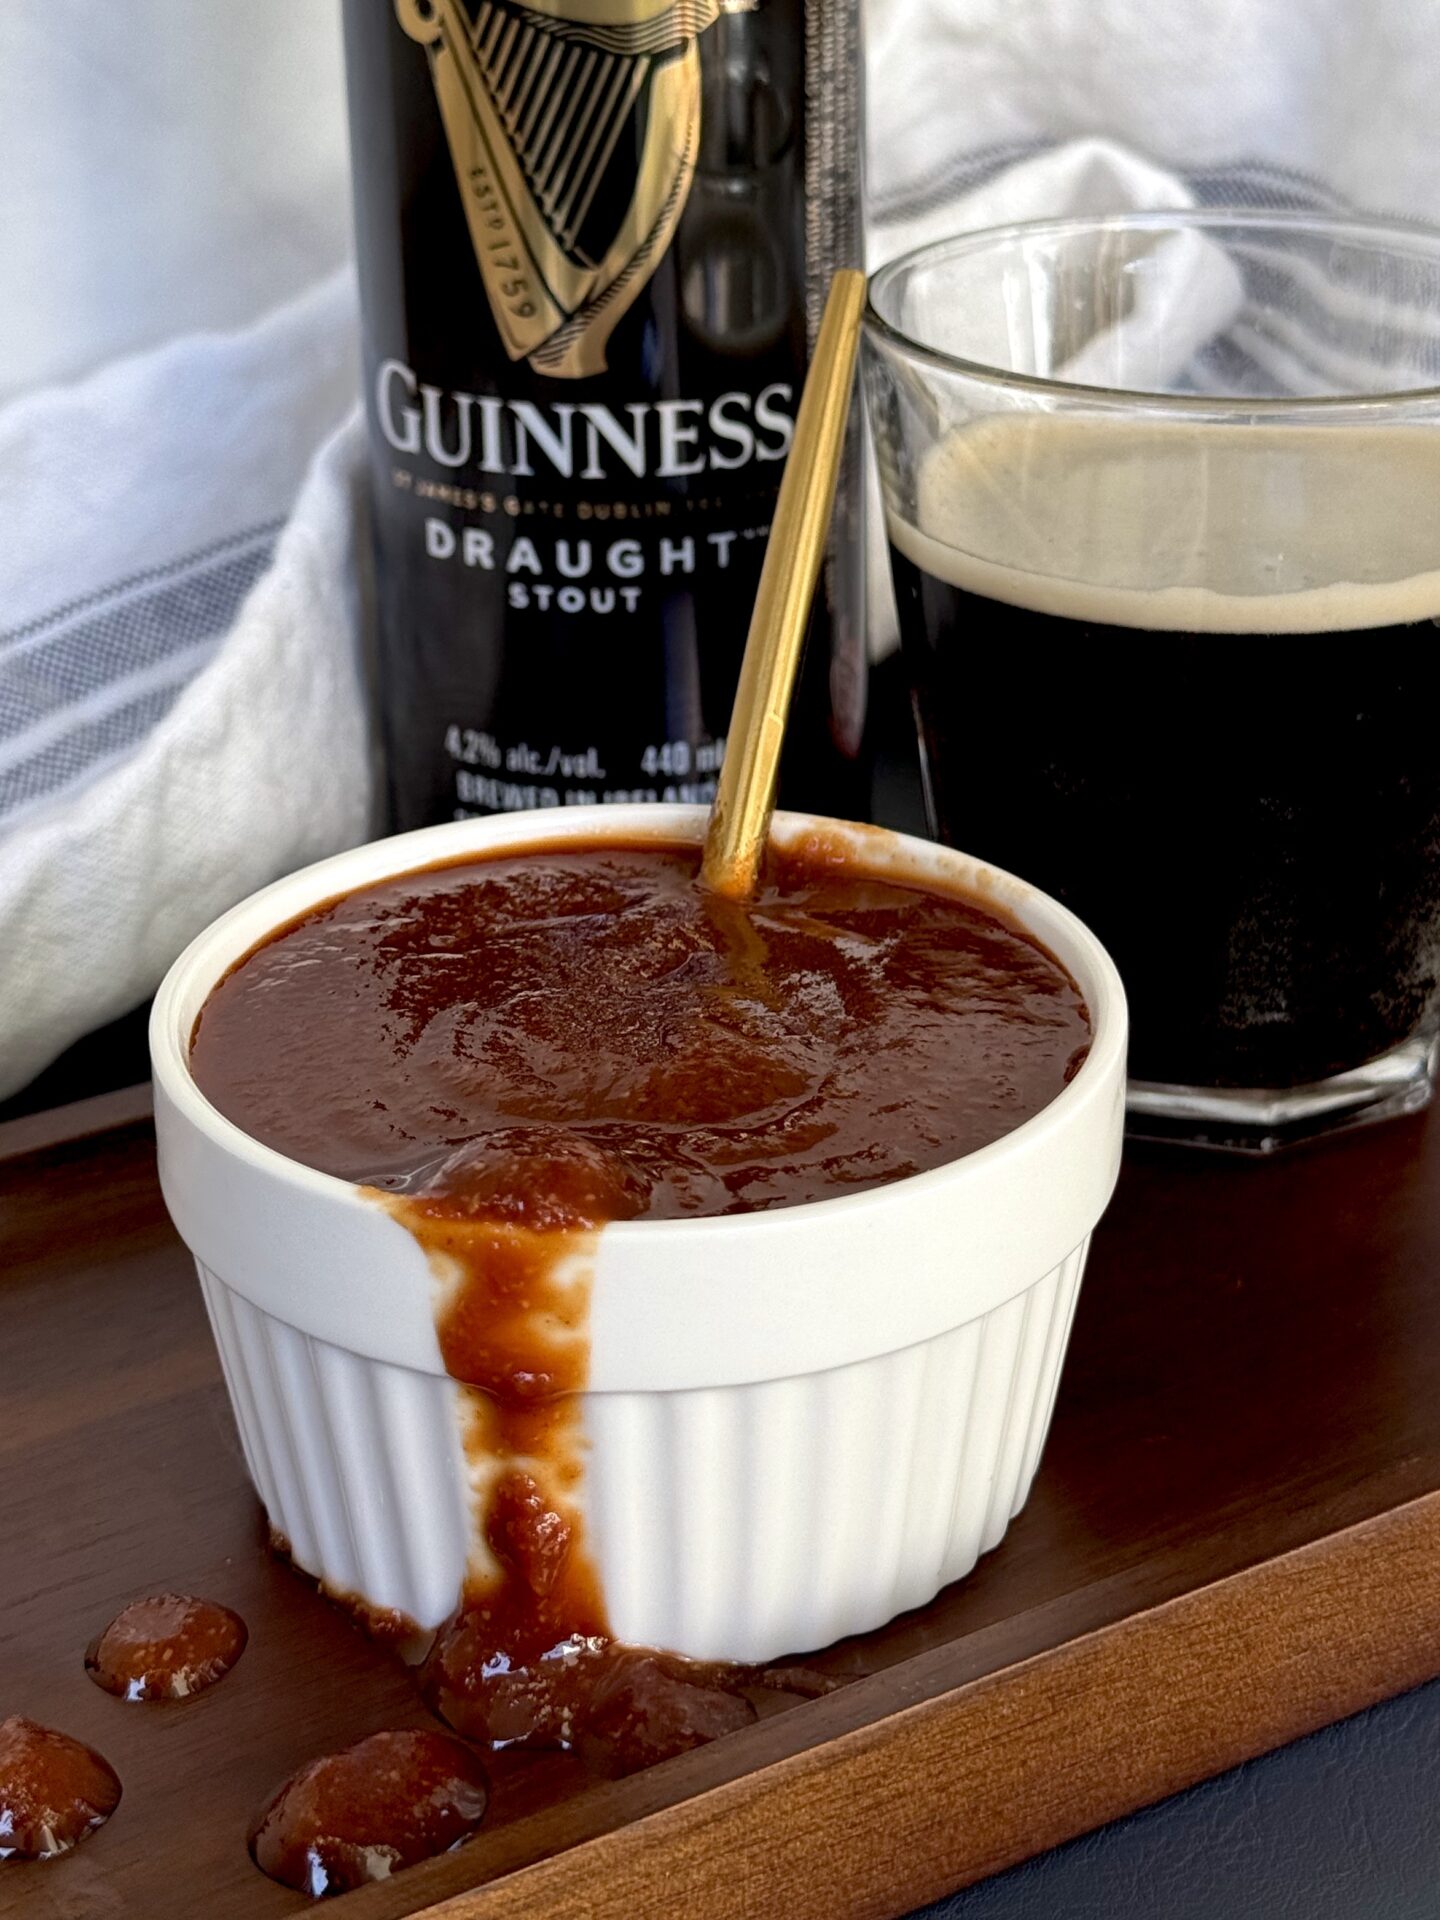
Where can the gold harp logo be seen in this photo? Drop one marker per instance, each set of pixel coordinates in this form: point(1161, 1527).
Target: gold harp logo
point(548, 106)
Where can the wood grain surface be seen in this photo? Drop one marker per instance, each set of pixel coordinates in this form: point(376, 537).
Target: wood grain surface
point(1234, 1538)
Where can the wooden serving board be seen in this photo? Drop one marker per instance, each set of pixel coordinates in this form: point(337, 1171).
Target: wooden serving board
point(1234, 1538)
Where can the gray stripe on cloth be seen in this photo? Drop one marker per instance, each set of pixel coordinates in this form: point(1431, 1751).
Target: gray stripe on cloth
point(83, 685)
point(62, 614)
point(83, 750)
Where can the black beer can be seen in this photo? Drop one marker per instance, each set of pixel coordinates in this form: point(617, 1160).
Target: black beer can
point(594, 237)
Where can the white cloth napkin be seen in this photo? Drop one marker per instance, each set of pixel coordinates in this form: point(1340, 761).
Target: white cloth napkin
point(1313, 96)
point(182, 710)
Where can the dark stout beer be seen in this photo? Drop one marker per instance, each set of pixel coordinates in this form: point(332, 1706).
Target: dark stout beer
point(593, 239)
point(1228, 767)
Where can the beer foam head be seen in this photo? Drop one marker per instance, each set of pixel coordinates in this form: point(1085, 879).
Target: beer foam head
point(1250, 528)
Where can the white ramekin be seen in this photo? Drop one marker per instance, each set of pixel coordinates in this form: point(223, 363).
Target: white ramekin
point(800, 1422)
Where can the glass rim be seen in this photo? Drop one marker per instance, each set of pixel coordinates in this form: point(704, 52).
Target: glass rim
point(1398, 236)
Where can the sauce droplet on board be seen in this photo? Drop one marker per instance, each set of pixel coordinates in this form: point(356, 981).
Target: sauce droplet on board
point(371, 1810)
point(166, 1647)
point(620, 1707)
point(53, 1791)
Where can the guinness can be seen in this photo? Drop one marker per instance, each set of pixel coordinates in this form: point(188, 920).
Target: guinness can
point(594, 238)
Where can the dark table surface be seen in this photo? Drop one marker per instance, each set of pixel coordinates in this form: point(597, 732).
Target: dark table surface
point(1343, 1825)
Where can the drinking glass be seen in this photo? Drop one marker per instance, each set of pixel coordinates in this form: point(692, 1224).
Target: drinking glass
point(1162, 493)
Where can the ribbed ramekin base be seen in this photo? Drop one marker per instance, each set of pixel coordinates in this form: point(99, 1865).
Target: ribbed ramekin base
point(734, 1522)
point(744, 1522)
point(359, 1463)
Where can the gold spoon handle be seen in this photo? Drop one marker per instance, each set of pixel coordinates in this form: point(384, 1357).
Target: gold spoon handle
point(745, 795)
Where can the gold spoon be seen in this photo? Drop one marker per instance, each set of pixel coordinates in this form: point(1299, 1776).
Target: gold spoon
point(745, 795)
